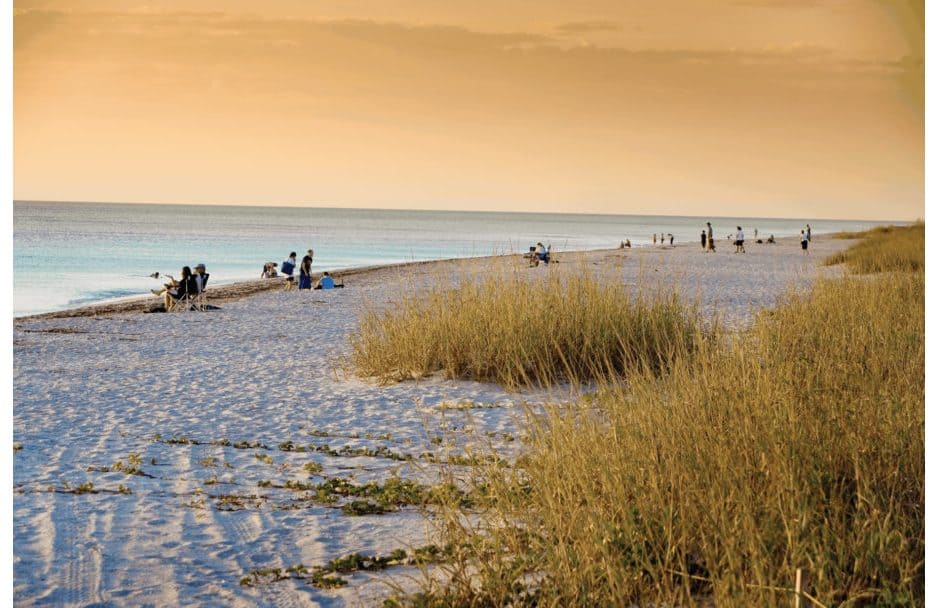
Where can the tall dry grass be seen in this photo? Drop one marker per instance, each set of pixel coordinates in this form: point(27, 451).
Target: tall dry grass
point(510, 329)
point(883, 248)
point(797, 444)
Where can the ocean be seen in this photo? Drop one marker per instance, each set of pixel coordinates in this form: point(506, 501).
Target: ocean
point(71, 254)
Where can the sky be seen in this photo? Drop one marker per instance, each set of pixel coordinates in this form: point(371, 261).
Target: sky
point(752, 108)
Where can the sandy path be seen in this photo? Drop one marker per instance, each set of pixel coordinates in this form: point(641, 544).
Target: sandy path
point(92, 388)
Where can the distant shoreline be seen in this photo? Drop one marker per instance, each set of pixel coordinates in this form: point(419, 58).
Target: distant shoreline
point(238, 290)
point(243, 289)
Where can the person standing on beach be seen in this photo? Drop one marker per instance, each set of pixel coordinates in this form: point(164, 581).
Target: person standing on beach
point(804, 241)
point(654, 238)
point(711, 237)
point(306, 280)
point(809, 236)
point(703, 240)
point(287, 267)
point(739, 241)
point(670, 239)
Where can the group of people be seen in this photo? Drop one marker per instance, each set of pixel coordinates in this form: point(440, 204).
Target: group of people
point(190, 284)
point(305, 273)
point(539, 253)
point(662, 239)
point(708, 239)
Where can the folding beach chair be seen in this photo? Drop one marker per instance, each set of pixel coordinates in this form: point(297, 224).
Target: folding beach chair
point(201, 302)
point(184, 304)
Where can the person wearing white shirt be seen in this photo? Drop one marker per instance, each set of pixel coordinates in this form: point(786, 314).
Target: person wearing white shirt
point(202, 277)
point(739, 241)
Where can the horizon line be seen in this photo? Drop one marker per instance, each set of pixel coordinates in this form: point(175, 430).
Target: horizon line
point(260, 206)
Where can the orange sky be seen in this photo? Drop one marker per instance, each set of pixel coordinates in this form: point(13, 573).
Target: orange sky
point(790, 108)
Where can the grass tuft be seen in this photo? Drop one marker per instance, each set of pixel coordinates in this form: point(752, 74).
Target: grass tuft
point(885, 248)
point(517, 331)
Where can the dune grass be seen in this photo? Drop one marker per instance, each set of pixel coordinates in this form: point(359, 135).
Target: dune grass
point(511, 329)
point(797, 444)
point(883, 248)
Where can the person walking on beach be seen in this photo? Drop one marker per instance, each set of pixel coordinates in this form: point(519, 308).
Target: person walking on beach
point(804, 241)
point(287, 267)
point(739, 241)
point(809, 236)
point(662, 239)
point(670, 239)
point(711, 237)
point(703, 240)
point(755, 234)
point(654, 238)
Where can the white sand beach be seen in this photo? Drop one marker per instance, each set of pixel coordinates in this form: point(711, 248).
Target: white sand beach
point(92, 387)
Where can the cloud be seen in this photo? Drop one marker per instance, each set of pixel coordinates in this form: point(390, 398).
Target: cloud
point(587, 27)
point(785, 4)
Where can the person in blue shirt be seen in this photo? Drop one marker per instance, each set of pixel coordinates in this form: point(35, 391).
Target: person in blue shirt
point(325, 282)
point(542, 254)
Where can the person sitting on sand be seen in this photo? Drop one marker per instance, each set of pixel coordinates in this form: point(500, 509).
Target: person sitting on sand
point(185, 287)
point(305, 268)
point(269, 271)
point(771, 239)
point(326, 282)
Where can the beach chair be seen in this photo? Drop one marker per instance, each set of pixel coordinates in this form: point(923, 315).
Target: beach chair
point(183, 304)
point(530, 256)
point(201, 302)
point(197, 301)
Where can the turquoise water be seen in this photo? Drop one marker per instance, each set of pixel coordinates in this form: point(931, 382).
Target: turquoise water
point(70, 254)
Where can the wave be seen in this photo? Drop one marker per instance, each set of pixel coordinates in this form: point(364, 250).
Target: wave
point(104, 294)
